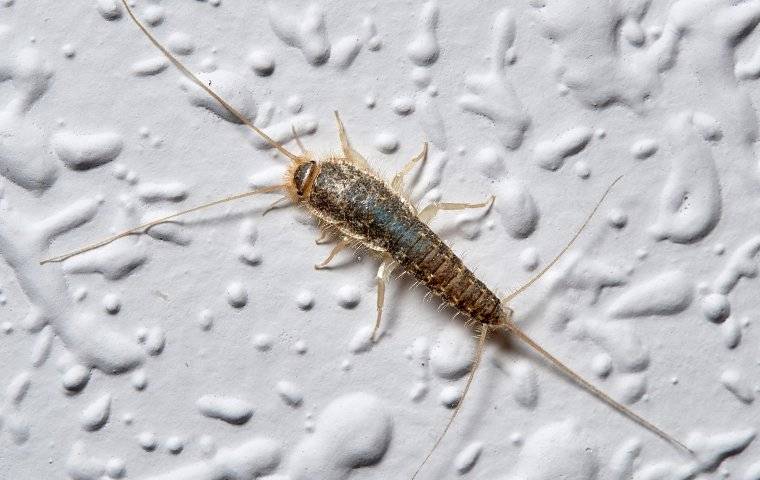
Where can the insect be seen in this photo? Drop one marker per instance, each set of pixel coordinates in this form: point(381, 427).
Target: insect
point(350, 200)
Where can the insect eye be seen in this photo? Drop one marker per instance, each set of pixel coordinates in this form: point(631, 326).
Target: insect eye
point(303, 177)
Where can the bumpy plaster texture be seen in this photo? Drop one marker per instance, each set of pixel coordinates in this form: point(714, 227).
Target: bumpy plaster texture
point(211, 349)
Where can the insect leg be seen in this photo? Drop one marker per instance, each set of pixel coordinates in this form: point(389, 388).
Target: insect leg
point(351, 155)
point(344, 145)
point(482, 336)
point(324, 237)
point(147, 226)
point(429, 212)
point(397, 183)
point(340, 246)
point(276, 204)
point(382, 278)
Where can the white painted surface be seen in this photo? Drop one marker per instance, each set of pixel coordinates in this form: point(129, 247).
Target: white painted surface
point(212, 348)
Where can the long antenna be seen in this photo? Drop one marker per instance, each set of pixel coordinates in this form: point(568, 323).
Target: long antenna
point(194, 78)
point(147, 226)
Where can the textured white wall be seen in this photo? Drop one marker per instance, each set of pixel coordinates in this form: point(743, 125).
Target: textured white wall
point(212, 349)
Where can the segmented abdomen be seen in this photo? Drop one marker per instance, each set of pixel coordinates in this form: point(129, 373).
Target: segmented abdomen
point(365, 208)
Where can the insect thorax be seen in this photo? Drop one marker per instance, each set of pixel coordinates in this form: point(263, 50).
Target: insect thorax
point(360, 205)
point(363, 207)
